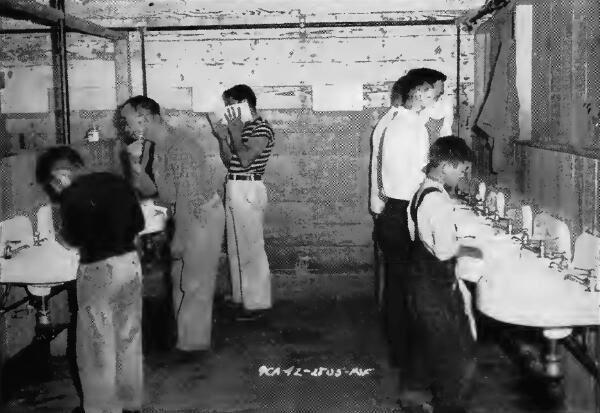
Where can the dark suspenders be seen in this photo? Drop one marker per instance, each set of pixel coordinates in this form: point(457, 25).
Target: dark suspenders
point(415, 206)
point(149, 165)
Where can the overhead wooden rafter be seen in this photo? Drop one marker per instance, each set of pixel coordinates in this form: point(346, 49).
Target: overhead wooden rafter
point(40, 13)
point(470, 19)
point(54, 16)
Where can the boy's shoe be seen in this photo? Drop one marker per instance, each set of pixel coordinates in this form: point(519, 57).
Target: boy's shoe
point(411, 398)
point(181, 356)
point(415, 408)
point(250, 315)
point(231, 304)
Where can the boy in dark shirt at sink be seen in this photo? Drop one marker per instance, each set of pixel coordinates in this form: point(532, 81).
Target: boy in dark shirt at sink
point(101, 216)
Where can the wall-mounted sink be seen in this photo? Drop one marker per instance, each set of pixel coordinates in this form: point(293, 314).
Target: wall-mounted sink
point(519, 287)
point(37, 262)
point(48, 263)
point(155, 217)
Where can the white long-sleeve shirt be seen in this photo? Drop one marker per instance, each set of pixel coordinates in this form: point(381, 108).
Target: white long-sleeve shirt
point(376, 198)
point(404, 154)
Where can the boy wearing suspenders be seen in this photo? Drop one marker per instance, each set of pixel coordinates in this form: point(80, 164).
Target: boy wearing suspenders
point(438, 303)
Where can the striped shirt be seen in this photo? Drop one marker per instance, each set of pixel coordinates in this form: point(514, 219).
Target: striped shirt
point(258, 128)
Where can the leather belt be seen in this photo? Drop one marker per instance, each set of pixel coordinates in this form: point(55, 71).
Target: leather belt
point(244, 177)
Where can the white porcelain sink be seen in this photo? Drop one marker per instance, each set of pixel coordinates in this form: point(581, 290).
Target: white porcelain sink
point(526, 292)
point(155, 217)
point(38, 267)
point(48, 263)
point(519, 288)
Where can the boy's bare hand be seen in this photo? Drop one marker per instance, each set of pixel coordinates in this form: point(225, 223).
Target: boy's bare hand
point(219, 130)
point(469, 251)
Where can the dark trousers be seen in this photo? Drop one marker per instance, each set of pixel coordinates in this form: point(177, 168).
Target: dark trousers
point(445, 360)
point(71, 340)
point(394, 239)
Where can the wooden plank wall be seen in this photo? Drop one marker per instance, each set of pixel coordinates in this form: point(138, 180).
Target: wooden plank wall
point(564, 184)
point(558, 170)
point(566, 73)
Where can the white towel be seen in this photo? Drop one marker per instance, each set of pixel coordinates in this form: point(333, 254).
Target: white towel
point(468, 301)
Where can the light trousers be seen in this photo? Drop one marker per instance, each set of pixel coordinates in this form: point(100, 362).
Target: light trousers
point(109, 334)
point(245, 205)
point(194, 273)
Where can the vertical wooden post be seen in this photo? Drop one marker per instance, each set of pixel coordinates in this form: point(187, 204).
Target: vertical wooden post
point(61, 83)
point(458, 81)
point(143, 43)
point(135, 63)
point(122, 71)
point(5, 145)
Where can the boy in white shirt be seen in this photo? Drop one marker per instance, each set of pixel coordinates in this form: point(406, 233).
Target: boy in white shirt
point(439, 305)
point(441, 112)
point(400, 145)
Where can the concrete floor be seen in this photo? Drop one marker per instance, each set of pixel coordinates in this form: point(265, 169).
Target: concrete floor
point(315, 323)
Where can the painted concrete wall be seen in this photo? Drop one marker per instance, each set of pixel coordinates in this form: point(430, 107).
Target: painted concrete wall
point(318, 175)
point(26, 101)
point(322, 89)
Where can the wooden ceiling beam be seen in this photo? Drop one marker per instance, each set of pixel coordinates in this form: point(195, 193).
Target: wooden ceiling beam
point(40, 13)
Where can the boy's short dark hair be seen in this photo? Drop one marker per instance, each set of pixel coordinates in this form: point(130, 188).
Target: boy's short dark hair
point(407, 83)
point(449, 149)
point(399, 92)
point(135, 102)
point(46, 161)
point(431, 75)
point(143, 102)
point(242, 92)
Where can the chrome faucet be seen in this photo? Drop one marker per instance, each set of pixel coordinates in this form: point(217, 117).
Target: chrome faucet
point(9, 252)
point(525, 240)
point(559, 261)
point(584, 277)
point(36, 239)
point(478, 207)
point(8, 248)
point(525, 237)
point(509, 224)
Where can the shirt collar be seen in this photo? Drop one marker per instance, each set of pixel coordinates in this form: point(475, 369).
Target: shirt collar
point(430, 183)
point(407, 112)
